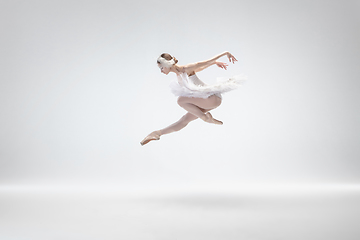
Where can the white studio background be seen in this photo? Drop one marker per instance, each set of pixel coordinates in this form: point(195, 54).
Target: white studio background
point(80, 88)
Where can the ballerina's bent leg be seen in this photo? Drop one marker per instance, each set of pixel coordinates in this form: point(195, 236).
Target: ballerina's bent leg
point(194, 106)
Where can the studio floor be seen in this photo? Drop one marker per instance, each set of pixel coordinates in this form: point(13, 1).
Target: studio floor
point(247, 213)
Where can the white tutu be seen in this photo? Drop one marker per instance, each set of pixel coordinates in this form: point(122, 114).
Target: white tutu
point(193, 87)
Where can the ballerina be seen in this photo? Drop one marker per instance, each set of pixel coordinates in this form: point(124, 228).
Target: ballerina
point(194, 96)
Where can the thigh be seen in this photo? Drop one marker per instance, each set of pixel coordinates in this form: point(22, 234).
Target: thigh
point(203, 103)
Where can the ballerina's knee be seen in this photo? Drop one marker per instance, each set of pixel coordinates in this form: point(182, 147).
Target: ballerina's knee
point(217, 100)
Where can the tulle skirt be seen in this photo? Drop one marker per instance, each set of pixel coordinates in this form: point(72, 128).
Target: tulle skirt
point(188, 87)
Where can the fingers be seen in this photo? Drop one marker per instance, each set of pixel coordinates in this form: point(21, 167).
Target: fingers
point(232, 58)
point(223, 65)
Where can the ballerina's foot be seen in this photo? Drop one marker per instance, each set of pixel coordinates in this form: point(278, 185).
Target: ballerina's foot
point(215, 121)
point(208, 118)
point(152, 136)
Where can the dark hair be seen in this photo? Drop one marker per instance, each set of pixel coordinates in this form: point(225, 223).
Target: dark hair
point(168, 57)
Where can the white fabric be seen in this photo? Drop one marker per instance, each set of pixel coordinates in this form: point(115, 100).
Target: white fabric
point(193, 87)
point(166, 63)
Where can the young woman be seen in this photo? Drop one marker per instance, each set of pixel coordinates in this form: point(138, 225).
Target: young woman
point(194, 96)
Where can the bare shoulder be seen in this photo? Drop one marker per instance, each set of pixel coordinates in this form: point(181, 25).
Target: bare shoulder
point(189, 69)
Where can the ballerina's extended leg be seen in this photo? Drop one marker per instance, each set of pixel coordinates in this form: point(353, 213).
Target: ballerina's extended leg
point(183, 122)
point(152, 136)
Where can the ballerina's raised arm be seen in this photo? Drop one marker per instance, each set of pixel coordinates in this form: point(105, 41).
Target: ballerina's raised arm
point(199, 66)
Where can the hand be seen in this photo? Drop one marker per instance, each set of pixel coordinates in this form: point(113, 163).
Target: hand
point(221, 65)
point(231, 57)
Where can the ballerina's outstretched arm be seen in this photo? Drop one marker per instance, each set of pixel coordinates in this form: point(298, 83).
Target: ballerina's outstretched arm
point(196, 67)
point(219, 64)
point(204, 67)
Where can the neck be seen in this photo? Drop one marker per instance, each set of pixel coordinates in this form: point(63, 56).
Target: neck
point(177, 69)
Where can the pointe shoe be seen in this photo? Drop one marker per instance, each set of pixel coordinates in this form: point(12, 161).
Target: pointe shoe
point(210, 119)
point(152, 136)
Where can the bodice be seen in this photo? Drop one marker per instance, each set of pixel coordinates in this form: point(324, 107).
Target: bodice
point(194, 78)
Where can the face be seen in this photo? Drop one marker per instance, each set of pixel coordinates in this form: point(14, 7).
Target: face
point(163, 69)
